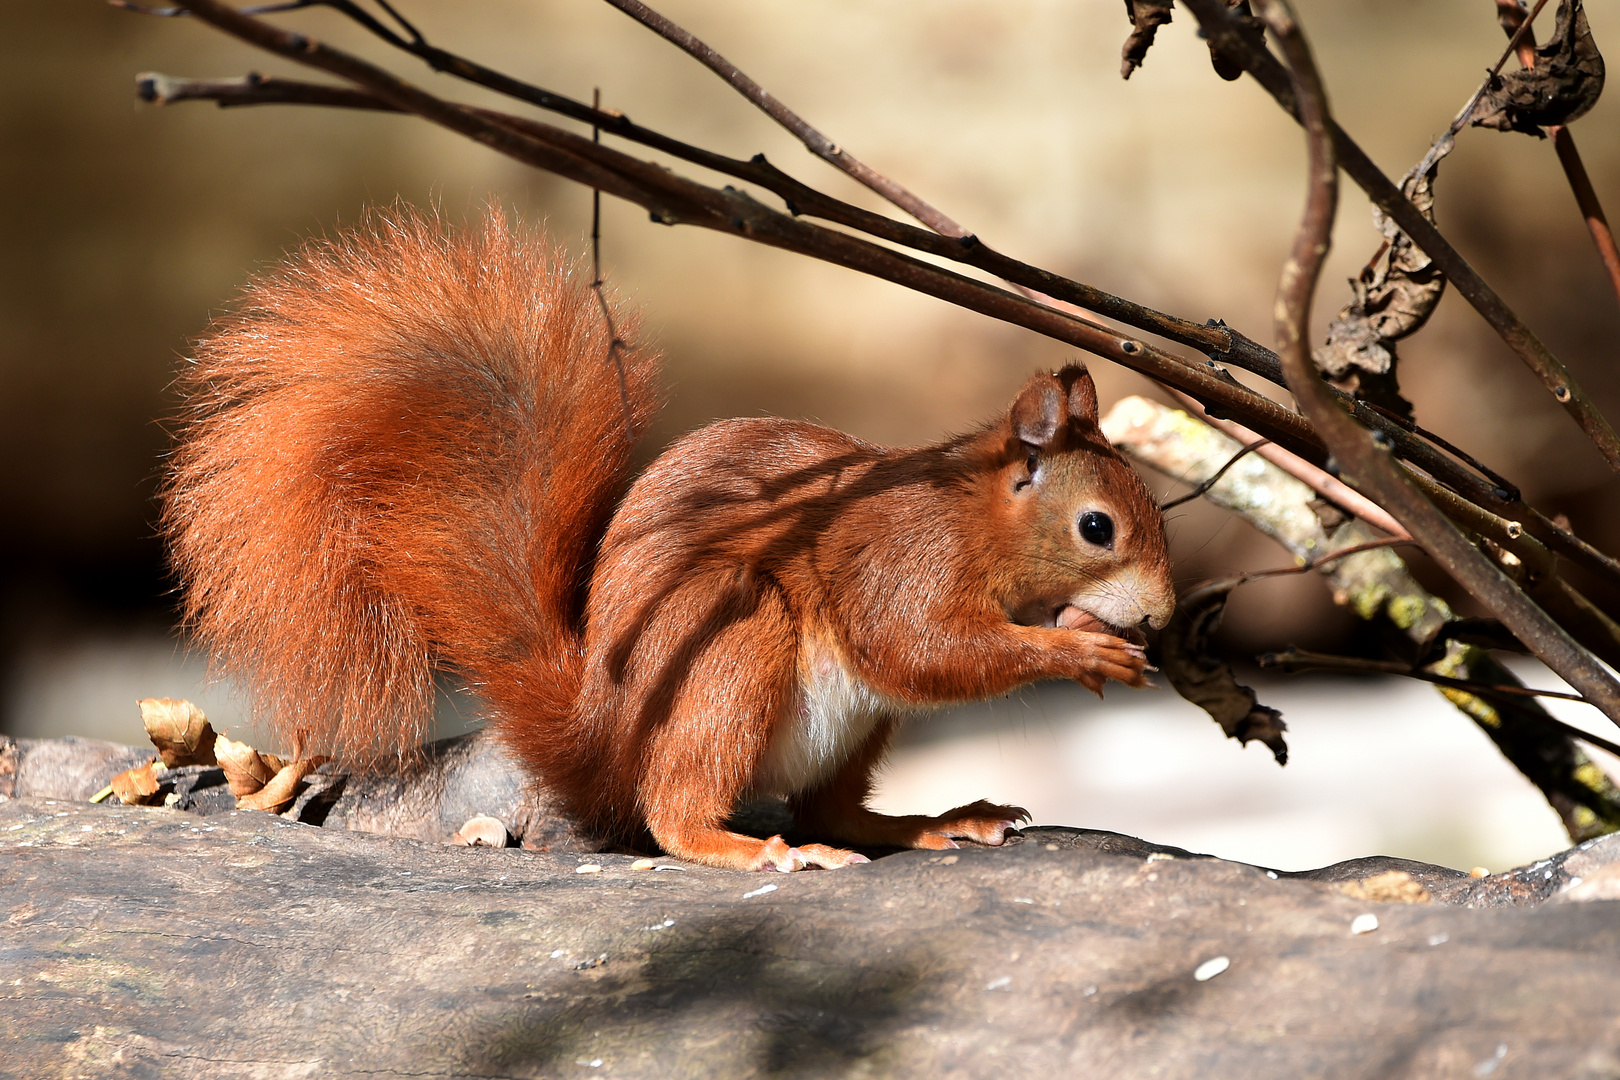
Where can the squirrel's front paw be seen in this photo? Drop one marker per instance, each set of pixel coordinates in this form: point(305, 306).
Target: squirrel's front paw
point(1108, 657)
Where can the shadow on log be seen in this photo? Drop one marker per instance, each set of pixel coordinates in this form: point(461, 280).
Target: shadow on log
point(149, 941)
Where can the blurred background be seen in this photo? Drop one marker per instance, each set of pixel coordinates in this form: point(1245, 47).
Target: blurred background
point(124, 228)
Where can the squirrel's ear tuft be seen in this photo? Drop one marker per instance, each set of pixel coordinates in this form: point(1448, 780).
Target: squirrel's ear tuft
point(1040, 411)
point(1081, 392)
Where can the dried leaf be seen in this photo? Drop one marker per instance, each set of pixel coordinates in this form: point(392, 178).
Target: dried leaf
point(179, 730)
point(1563, 86)
point(1146, 17)
point(1249, 27)
point(246, 770)
point(1209, 683)
point(281, 788)
point(1392, 298)
point(135, 787)
point(481, 831)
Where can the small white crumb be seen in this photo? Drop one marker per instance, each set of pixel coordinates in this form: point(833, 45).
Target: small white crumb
point(1160, 856)
point(1023, 899)
point(1090, 991)
point(588, 868)
point(556, 953)
point(1211, 968)
point(594, 1063)
point(661, 866)
point(1488, 1066)
point(761, 891)
point(89, 828)
point(1439, 939)
point(643, 864)
point(1364, 924)
point(14, 828)
point(999, 984)
point(1272, 874)
point(1051, 847)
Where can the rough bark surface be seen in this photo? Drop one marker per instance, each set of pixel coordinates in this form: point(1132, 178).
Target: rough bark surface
point(147, 941)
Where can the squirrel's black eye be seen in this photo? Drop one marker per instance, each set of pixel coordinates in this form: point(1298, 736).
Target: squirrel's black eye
point(1096, 528)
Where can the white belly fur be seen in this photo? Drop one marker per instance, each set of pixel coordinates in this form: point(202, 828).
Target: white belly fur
point(833, 714)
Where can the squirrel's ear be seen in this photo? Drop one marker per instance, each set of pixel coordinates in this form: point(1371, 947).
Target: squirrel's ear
point(1039, 412)
point(1081, 391)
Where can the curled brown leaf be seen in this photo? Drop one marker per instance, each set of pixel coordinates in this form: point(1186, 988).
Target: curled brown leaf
point(1209, 683)
point(1146, 17)
point(1564, 84)
point(246, 770)
point(1391, 298)
point(1249, 27)
point(281, 788)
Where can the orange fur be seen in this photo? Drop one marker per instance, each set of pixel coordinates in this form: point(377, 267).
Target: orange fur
point(403, 453)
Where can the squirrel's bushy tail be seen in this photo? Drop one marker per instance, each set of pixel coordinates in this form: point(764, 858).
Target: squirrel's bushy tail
point(398, 455)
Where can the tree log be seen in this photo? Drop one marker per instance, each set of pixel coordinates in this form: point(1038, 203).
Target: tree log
point(148, 941)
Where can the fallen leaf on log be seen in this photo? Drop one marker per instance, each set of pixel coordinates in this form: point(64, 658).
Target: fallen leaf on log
point(246, 770)
point(135, 787)
point(280, 790)
point(1563, 86)
point(1209, 683)
point(179, 730)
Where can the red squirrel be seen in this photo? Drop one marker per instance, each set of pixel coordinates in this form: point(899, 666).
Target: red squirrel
point(408, 450)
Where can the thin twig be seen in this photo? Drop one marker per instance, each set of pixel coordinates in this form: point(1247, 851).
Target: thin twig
point(1597, 224)
point(1198, 491)
point(1227, 584)
point(817, 143)
point(1357, 450)
point(1224, 35)
point(1293, 659)
point(615, 346)
point(1318, 480)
